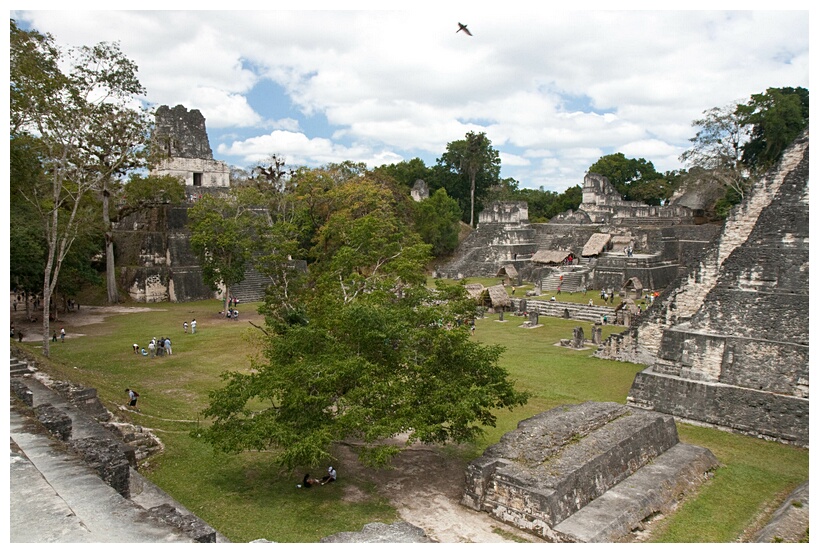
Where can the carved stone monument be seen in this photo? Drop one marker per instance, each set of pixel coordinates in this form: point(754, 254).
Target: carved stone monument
point(579, 338)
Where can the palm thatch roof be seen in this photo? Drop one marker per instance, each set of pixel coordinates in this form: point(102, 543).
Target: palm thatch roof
point(550, 256)
point(498, 296)
point(595, 244)
point(474, 290)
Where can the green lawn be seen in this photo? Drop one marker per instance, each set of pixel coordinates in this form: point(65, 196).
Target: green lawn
point(246, 497)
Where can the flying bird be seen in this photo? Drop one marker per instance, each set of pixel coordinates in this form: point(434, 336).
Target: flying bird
point(462, 27)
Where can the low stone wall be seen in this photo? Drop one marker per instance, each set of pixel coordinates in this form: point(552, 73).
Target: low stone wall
point(752, 412)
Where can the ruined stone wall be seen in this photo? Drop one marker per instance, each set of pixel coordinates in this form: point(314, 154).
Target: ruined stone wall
point(183, 139)
point(515, 213)
point(214, 174)
point(604, 204)
point(154, 259)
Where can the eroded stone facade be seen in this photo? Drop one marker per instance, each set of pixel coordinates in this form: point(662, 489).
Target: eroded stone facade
point(728, 344)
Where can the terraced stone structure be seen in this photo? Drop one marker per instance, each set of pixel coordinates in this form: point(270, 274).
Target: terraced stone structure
point(586, 473)
point(665, 240)
point(728, 344)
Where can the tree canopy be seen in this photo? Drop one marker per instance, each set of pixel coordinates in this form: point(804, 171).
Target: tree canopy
point(74, 110)
point(737, 142)
point(226, 234)
point(467, 169)
point(635, 179)
point(362, 349)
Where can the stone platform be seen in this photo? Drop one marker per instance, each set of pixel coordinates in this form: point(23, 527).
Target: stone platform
point(586, 473)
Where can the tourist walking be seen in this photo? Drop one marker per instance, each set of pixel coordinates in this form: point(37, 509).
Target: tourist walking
point(185, 327)
point(132, 398)
point(193, 326)
point(168, 346)
point(152, 348)
point(62, 334)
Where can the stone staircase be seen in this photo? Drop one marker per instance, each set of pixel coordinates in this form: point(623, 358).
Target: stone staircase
point(560, 309)
point(573, 280)
point(252, 288)
point(587, 473)
point(20, 367)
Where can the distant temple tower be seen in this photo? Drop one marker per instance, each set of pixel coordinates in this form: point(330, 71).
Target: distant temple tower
point(181, 135)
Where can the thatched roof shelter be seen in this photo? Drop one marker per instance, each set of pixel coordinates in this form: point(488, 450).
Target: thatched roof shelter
point(475, 290)
point(551, 257)
point(596, 243)
point(497, 296)
point(509, 272)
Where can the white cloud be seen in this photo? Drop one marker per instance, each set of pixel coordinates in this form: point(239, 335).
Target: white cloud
point(553, 89)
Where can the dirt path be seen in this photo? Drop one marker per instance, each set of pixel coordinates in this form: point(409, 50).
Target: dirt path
point(426, 486)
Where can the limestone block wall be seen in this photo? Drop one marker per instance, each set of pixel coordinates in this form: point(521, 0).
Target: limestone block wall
point(752, 412)
point(505, 212)
point(688, 294)
point(739, 323)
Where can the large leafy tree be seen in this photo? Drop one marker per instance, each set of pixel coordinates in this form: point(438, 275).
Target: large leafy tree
point(468, 168)
point(717, 148)
point(226, 232)
point(777, 117)
point(406, 173)
point(738, 141)
point(631, 177)
point(73, 105)
point(436, 221)
point(362, 350)
point(142, 191)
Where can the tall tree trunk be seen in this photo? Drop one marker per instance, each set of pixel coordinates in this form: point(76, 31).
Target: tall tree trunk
point(472, 200)
point(110, 267)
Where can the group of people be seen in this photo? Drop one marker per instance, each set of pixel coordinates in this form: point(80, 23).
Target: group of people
point(192, 327)
point(155, 347)
point(309, 482)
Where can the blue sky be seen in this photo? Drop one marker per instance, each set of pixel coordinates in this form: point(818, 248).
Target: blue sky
point(553, 90)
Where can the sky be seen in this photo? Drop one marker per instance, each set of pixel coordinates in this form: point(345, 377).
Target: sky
point(554, 90)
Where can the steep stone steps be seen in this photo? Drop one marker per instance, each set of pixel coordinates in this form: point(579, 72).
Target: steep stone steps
point(650, 491)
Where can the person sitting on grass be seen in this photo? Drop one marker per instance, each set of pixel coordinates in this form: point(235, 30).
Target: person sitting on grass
point(331, 476)
point(308, 482)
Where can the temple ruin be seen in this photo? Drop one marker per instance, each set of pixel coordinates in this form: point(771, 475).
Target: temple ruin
point(727, 344)
point(154, 259)
point(586, 247)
